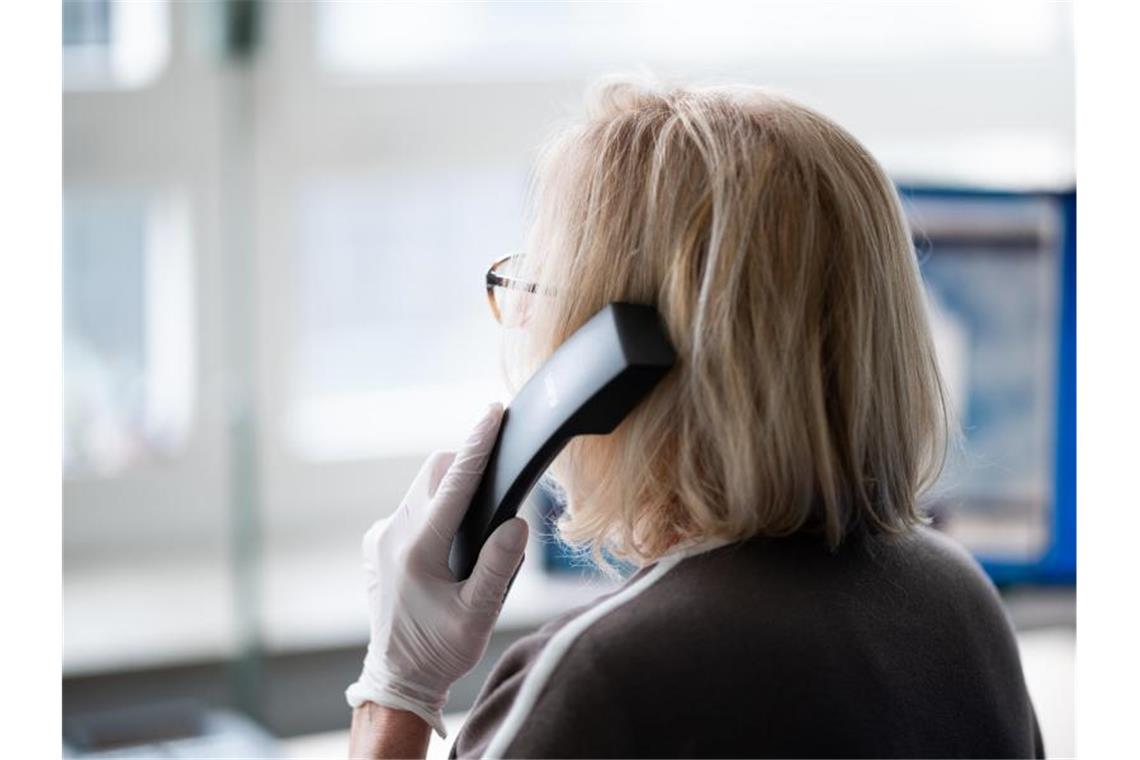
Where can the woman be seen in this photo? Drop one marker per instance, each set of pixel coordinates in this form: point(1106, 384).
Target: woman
point(790, 600)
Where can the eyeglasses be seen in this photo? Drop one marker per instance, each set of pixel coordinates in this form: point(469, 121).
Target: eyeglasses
point(508, 296)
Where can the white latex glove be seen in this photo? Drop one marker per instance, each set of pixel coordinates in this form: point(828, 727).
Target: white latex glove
point(427, 630)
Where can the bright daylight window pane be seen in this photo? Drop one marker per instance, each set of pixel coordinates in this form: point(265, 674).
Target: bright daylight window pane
point(536, 39)
point(991, 273)
point(128, 335)
point(114, 43)
point(395, 349)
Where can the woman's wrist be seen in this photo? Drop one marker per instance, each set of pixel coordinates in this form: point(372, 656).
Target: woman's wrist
point(379, 686)
point(385, 732)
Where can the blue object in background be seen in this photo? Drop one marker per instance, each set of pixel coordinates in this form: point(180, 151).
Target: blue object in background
point(557, 557)
point(1055, 560)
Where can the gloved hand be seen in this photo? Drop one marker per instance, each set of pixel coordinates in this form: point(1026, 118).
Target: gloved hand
point(427, 630)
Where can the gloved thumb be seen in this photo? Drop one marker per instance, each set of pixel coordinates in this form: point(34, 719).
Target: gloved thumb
point(498, 560)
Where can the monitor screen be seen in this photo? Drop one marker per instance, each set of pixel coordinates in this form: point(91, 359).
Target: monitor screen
point(992, 274)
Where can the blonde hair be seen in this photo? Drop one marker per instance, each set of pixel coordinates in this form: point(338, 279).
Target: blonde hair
point(806, 396)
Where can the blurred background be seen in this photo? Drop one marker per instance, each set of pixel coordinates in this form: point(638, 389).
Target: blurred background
point(276, 221)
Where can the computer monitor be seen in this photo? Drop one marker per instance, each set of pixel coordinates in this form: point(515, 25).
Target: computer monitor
point(1000, 273)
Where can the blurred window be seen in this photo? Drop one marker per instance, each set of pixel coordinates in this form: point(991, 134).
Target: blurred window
point(128, 336)
point(86, 22)
point(114, 43)
point(394, 344)
point(544, 39)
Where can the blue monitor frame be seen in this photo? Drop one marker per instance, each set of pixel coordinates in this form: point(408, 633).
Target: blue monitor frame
point(1058, 563)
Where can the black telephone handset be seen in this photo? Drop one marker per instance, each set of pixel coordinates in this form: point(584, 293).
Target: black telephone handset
point(587, 386)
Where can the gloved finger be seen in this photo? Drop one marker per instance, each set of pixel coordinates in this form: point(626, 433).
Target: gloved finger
point(440, 463)
point(498, 560)
point(414, 510)
point(462, 478)
point(371, 541)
